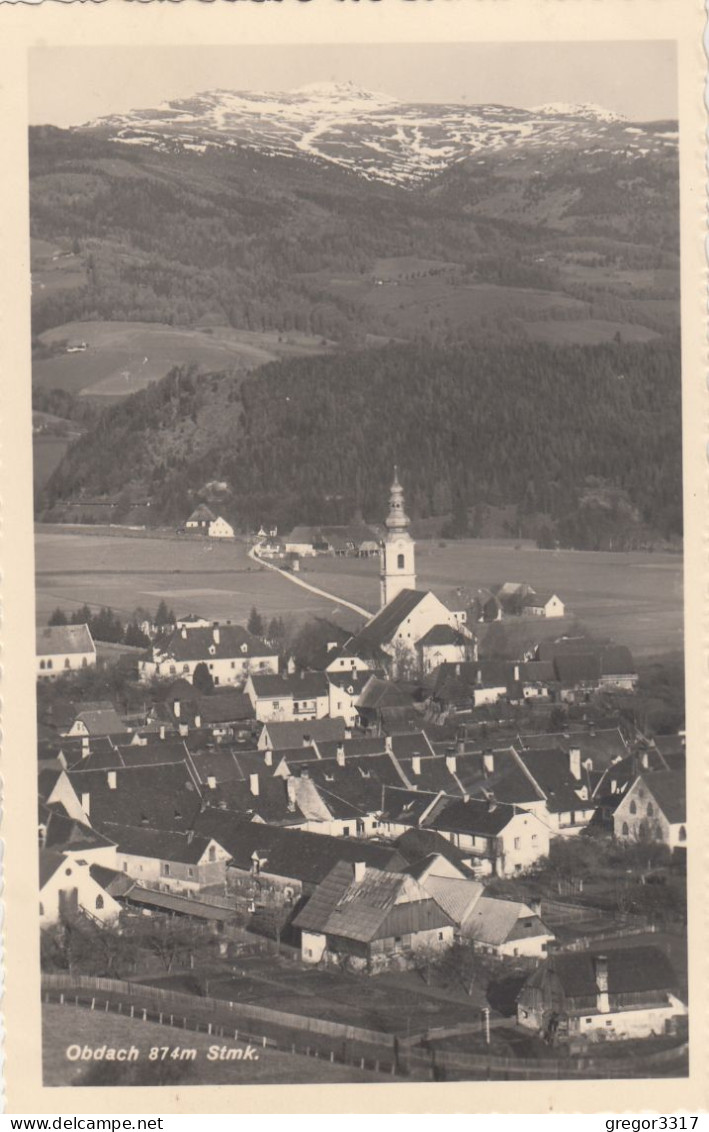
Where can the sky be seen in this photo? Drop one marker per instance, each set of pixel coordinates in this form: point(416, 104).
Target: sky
point(72, 85)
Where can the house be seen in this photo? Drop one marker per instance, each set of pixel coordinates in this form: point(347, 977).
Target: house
point(495, 837)
point(174, 861)
point(302, 541)
point(270, 548)
point(219, 528)
point(286, 698)
point(618, 669)
point(68, 889)
point(627, 993)
point(367, 917)
point(442, 644)
point(59, 833)
point(201, 519)
point(229, 651)
point(97, 719)
point(63, 648)
point(545, 604)
point(344, 692)
point(281, 735)
point(565, 783)
point(287, 862)
point(158, 796)
point(654, 808)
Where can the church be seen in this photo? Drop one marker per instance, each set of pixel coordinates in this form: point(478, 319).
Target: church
point(413, 628)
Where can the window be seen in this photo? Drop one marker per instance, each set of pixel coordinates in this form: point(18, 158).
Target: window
point(212, 853)
point(650, 810)
point(535, 839)
point(165, 869)
point(275, 704)
point(173, 670)
point(99, 903)
point(346, 831)
point(185, 667)
point(400, 561)
point(50, 663)
point(633, 808)
point(682, 835)
point(125, 866)
point(41, 664)
point(440, 935)
point(84, 662)
point(41, 909)
point(67, 663)
point(190, 871)
point(609, 1021)
point(518, 842)
point(625, 831)
point(588, 1021)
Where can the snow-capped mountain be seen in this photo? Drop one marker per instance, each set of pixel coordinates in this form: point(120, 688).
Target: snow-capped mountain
point(369, 133)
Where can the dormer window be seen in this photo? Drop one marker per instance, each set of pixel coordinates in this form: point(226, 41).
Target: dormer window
point(212, 650)
point(244, 647)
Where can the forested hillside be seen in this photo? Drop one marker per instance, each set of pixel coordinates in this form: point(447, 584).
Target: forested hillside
point(587, 440)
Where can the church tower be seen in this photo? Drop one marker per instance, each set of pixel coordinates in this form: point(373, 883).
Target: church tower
point(398, 571)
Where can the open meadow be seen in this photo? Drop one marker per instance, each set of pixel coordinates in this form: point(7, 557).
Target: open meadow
point(122, 357)
point(633, 598)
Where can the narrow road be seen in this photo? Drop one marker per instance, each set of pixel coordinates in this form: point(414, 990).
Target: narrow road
point(367, 613)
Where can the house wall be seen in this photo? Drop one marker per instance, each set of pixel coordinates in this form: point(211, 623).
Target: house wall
point(521, 843)
point(483, 696)
point(433, 655)
point(49, 667)
point(223, 670)
point(69, 876)
point(628, 826)
point(640, 1023)
point(312, 946)
point(220, 529)
point(180, 877)
point(341, 702)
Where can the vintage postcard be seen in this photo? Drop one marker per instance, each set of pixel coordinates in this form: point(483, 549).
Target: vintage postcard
point(353, 489)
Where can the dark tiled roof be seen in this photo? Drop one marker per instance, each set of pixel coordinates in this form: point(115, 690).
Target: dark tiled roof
point(577, 668)
point(669, 791)
point(617, 660)
point(550, 769)
point(293, 733)
point(49, 862)
point(506, 782)
point(60, 640)
point(197, 643)
point(102, 721)
point(202, 513)
point(406, 807)
point(158, 797)
point(291, 853)
point(307, 686)
point(631, 970)
point(474, 816)
point(383, 693)
point(417, 842)
point(358, 783)
point(384, 625)
point(159, 844)
point(442, 635)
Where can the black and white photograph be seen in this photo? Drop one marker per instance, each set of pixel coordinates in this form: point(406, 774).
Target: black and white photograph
point(358, 532)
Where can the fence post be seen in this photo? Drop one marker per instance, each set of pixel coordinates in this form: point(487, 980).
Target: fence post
point(264, 1041)
point(145, 1015)
point(93, 1003)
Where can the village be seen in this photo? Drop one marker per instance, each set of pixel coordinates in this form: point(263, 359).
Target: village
point(490, 848)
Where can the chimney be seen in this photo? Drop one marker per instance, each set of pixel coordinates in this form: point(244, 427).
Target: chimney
point(215, 633)
point(600, 971)
point(388, 745)
point(416, 765)
point(535, 905)
point(85, 747)
point(645, 760)
point(291, 792)
point(212, 782)
point(253, 784)
point(183, 730)
point(111, 777)
point(489, 762)
point(198, 721)
point(575, 761)
point(451, 763)
point(460, 746)
point(162, 731)
point(268, 757)
point(457, 670)
point(86, 804)
point(516, 673)
point(359, 868)
point(176, 709)
point(348, 733)
point(491, 805)
point(184, 633)
point(340, 755)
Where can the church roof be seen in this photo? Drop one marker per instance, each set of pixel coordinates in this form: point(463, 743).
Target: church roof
point(384, 625)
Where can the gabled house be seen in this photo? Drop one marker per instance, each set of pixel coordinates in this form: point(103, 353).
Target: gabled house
point(366, 917)
point(229, 652)
point(280, 735)
point(285, 698)
point(545, 604)
point(200, 519)
point(629, 992)
point(173, 861)
point(63, 648)
point(566, 785)
point(97, 719)
point(68, 889)
point(654, 808)
point(220, 528)
point(442, 644)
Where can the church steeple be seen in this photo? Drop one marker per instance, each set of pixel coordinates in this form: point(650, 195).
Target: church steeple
point(398, 571)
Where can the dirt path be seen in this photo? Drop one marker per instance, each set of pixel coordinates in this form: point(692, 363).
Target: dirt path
point(307, 586)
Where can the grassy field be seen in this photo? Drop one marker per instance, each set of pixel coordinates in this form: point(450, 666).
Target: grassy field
point(634, 598)
point(123, 357)
point(63, 1026)
point(214, 579)
point(586, 332)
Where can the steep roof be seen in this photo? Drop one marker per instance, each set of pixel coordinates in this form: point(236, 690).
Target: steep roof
point(364, 910)
point(457, 898)
point(384, 625)
point(577, 668)
point(203, 514)
point(631, 970)
point(102, 721)
point(492, 919)
point(617, 660)
point(291, 853)
point(60, 640)
point(160, 844)
point(294, 733)
point(442, 635)
point(158, 797)
point(474, 816)
point(507, 781)
point(668, 788)
point(550, 769)
point(306, 686)
point(198, 643)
